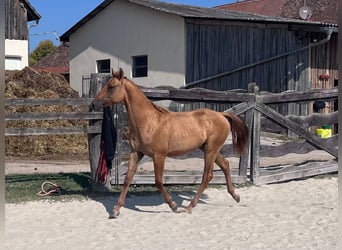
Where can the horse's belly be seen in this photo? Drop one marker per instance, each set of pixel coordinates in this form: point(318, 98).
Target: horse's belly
point(180, 144)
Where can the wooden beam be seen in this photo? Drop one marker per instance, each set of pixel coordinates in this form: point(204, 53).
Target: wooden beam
point(60, 101)
point(52, 131)
point(293, 126)
point(297, 96)
point(54, 116)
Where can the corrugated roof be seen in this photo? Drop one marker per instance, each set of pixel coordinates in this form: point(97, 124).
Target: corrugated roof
point(324, 11)
point(186, 11)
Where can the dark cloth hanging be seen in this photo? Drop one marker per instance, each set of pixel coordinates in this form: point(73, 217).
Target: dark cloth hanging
point(108, 136)
point(107, 146)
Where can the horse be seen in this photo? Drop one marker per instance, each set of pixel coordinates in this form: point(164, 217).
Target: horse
point(158, 133)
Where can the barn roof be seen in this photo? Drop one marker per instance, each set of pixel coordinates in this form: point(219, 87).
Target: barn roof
point(186, 11)
point(324, 11)
point(56, 62)
point(32, 14)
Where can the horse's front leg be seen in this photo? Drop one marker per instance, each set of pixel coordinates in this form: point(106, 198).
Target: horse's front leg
point(159, 164)
point(206, 178)
point(134, 158)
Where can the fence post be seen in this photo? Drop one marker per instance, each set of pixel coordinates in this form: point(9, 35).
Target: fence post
point(94, 140)
point(255, 136)
point(246, 156)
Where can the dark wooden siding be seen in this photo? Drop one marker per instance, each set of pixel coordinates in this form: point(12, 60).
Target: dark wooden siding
point(16, 20)
point(324, 68)
point(324, 63)
point(214, 47)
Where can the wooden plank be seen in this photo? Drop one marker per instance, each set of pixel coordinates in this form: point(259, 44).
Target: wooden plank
point(197, 95)
point(52, 131)
point(54, 116)
point(241, 108)
point(297, 96)
point(94, 140)
point(255, 145)
point(60, 101)
point(283, 121)
point(306, 170)
point(298, 147)
point(181, 179)
point(245, 158)
point(315, 119)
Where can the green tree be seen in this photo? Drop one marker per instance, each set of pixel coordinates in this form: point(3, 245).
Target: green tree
point(44, 48)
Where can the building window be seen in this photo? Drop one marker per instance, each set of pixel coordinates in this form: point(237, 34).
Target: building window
point(103, 66)
point(13, 63)
point(139, 67)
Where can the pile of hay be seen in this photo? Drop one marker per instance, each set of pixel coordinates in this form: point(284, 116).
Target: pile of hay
point(28, 83)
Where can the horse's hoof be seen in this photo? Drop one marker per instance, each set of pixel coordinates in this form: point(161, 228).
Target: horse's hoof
point(114, 215)
point(178, 210)
point(188, 210)
point(237, 198)
point(173, 206)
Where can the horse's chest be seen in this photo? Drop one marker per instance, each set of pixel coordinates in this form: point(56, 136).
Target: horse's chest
point(140, 144)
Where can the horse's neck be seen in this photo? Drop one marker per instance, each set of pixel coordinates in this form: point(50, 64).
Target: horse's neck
point(139, 108)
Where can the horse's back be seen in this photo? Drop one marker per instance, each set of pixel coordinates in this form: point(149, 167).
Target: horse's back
point(200, 122)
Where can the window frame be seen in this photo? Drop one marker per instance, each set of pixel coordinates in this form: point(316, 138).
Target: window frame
point(140, 70)
point(100, 69)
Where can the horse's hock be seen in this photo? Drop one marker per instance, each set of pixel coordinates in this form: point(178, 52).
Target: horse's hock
point(270, 156)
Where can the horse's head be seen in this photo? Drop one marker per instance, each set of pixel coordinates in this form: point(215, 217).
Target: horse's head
point(112, 92)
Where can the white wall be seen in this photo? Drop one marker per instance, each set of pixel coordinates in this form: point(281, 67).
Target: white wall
point(123, 30)
point(16, 49)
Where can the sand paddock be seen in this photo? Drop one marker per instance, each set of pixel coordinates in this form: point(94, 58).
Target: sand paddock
point(293, 215)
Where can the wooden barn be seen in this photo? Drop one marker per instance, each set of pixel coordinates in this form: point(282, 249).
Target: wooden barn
point(323, 57)
point(19, 15)
point(163, 43)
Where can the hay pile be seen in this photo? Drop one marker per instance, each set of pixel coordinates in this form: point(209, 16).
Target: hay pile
point(28, 83)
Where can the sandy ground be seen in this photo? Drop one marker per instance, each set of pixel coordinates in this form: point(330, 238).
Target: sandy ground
point(293, 215)
point(20, 166)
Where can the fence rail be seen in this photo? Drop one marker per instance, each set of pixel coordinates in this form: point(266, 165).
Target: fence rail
point(252, 106)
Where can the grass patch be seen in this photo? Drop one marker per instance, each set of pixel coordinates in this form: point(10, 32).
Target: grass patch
point(22, 188)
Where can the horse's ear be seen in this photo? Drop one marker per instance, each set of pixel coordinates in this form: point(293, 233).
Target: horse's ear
point(113, 72)
point(121, 73)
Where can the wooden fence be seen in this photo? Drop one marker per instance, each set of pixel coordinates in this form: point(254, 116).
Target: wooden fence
point(253, 106)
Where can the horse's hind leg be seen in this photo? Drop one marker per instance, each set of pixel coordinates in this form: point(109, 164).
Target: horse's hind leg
point(224, 165)
point(134, 158)
point(159, 164)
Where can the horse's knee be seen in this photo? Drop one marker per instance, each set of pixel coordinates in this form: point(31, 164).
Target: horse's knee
point(208, 178)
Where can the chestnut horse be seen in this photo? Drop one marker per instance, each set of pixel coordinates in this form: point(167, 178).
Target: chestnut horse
point(158, 133)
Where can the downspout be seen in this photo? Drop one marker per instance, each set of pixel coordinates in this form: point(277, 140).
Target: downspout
point(310, 45)
point(28, 39)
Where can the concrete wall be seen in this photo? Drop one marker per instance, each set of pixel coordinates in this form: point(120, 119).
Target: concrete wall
point(123, 30)
point(16, 50)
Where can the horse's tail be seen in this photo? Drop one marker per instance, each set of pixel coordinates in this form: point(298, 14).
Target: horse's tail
point(239, 132)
